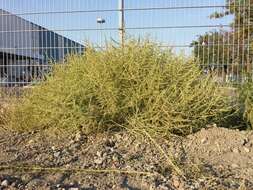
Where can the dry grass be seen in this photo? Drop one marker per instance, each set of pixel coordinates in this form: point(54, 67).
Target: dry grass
point(246, 98)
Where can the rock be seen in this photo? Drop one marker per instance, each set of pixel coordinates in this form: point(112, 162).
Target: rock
point(110, 143)
point(196, 186)
point(79, 137)
point(35, 183)
point(30, 142)
point(175, 181)
point(204, 140)
point(214, 125)
point(99, 161)
point(75, 146)
point(249, 144)
point(235, 150)
point(57, 154)
point(162, 187)
point(14, 184)
point(99, 154)
point(234, 166)
point(245, 141)
point(73, 188)
point(5, 183)
point(246, 150)
point(58, 185)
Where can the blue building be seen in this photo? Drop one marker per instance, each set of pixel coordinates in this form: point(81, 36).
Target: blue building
point(26, 49)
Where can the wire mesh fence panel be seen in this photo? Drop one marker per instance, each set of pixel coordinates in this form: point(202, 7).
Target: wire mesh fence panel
point(36, 33)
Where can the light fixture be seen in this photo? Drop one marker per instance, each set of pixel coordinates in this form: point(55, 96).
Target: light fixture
point(100, 20)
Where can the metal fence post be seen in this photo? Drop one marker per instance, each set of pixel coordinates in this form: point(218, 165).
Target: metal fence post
point(121, 21)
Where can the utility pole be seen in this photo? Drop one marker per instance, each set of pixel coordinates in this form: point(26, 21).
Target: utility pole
point(122, 21)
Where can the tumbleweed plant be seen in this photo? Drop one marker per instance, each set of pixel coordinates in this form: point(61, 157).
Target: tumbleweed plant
point(138, 87)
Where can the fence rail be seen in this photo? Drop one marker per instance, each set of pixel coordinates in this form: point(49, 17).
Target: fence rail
point(218, 33)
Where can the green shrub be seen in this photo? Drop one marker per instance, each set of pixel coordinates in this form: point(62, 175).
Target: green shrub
point(138, 86)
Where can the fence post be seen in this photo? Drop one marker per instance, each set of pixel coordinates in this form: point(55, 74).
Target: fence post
point(121, 21)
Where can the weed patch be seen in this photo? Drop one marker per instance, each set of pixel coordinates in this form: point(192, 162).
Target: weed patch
point(138, 87)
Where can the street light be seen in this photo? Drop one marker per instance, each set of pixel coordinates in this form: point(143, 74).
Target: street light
point(101, 21)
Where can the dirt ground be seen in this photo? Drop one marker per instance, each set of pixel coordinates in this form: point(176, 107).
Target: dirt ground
point(213, 158)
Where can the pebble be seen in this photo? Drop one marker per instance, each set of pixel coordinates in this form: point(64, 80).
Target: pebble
point(79, 137)
point(204, 140)
point(246, 150)
point(245, 141)
point(176, 181)
point(75, 146)
point(57, 154)
point(110, 143)
point(99, 154)
point(31, 142)
point(234, 166)
point(162, 187)
point(73, 188)
point(14, 184)
point(235, 150)
point(5, 183)
point(98, 161)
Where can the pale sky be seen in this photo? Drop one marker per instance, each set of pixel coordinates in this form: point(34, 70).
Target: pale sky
point(176, 23)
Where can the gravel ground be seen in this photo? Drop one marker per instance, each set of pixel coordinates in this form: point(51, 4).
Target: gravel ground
point(214, 158)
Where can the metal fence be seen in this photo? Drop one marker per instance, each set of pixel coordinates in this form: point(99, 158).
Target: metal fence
point(35, 33)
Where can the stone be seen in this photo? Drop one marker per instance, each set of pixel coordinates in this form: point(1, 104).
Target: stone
point(246, 150)
point(99, 154)
point(58, 185)
point(176, 181)
point(234, 166)
point(75, 146)
point(110, 143)
point(5, 183)
point(98, 161)
point(204, 140)
point(73, 188)
point(163, 187)
point(79, 137)
point(245, 141)
point(14, 184)
point(35, 183)
point(57, 154)
point(235, 150)
point(30, 142)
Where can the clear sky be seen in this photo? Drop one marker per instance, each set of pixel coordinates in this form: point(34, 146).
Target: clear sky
point(78, 22)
